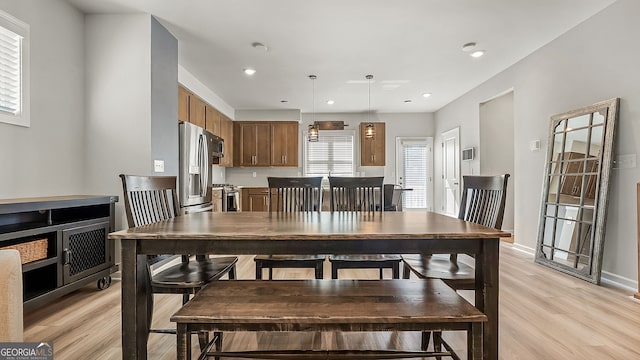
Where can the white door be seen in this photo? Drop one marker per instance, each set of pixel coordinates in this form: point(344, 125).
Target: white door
point(451, 172)
point(414, 172)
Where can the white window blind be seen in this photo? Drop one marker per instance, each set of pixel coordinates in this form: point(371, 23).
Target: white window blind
point(10, 72)
point(415, 157)
point(14, 71)
point(332, 153)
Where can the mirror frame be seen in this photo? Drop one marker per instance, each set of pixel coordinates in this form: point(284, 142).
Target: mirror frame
point(592, 274)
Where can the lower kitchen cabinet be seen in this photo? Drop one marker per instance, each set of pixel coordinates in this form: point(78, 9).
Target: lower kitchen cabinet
point(254, 199)
point(62, 243)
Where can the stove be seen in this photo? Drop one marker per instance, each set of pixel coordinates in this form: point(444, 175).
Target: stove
point(230, 196)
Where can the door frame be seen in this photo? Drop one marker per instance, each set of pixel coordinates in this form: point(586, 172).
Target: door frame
point(451, 133)
point(429, 141)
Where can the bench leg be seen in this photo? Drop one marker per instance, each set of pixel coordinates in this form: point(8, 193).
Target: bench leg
point(334, 271)
point(183, 342)
point(232, 272)
point(319, 270)
point(474, 342)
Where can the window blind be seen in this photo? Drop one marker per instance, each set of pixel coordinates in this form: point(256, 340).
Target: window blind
point(332, 153)
point(10, 72)
point(415, 157)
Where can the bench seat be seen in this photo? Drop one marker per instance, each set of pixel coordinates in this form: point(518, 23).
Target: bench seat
point(328, 305)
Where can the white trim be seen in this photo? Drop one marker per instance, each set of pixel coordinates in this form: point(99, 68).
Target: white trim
point(419, 139)
point(619, 281)
point(22, 29)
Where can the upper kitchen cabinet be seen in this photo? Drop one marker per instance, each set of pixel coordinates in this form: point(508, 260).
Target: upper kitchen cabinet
point(212, 120)
point(197, 111)
point(183, 104)
point(252, 142)
point(284, 143)
point(226, 130)
point(372, 151)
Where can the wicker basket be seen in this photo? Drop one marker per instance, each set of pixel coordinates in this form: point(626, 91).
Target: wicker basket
point(31, 251)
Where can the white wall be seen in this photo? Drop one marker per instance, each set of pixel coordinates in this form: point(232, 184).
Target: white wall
point(594, 61)
point(130, 112)
point(46, 159)
point(496, 147)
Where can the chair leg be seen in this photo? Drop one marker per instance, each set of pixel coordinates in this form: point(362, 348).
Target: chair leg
point(319, 272)
point(232, 272)
point(406, 272)
point(203, 339)
point(437, 343)
point(396, 270)
point(426, 336)
point(258, 270)
point(218, 347)
point(185, 298)
point(334, 271)
point(270, 273)
point(381, 271)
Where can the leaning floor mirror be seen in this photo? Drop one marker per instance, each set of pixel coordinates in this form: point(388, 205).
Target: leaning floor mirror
point(576, 184)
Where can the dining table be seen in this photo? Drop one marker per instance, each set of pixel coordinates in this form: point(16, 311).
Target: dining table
point(265, 233)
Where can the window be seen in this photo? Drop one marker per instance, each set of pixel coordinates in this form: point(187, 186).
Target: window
point(333, 154)
point(14, 71)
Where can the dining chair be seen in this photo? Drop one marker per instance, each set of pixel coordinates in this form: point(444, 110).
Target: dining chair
point(360, 194)
point(483, 201)
point(150, 199)
point(292, 194)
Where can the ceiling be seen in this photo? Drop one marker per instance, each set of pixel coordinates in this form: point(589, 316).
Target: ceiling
point(411, 47)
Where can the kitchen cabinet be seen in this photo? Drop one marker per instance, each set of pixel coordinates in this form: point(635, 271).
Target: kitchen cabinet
point(284, 143)
point(226, 130)
point(254, 199)
point(183, 104)
point(197, 111)
point(216, 200)
point(63, 243)
point(252, 142)
point(212, 120)
point(372, 151)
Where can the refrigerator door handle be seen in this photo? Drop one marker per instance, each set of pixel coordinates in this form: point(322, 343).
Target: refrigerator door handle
point(204, 167)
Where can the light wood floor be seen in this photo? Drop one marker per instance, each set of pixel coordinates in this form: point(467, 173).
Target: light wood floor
point(543, 315)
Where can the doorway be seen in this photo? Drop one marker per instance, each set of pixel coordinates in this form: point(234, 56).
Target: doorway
point(451, 172)
point(414, 171)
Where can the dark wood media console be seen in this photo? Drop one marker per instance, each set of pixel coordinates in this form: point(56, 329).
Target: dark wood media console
point(63, 243)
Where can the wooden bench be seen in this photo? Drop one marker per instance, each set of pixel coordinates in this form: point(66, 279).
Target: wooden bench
point(328, 305)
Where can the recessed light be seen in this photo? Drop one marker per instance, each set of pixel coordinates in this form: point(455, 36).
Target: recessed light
point(249, 71)
point(330, 102)
point(407, 101)
point(468, 46)
point(426, 95)
point(284, 101)
point(477, 53)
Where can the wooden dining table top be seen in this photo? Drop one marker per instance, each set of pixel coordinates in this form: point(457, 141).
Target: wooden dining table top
point(310, 226)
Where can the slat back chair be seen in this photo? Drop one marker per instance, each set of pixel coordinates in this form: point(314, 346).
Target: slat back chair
point(360, 194)
point(363, 194)
point(292, 194)
point(150, 199)
point(483, 201)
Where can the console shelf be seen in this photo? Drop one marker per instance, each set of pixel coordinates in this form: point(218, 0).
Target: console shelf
point(77, 251)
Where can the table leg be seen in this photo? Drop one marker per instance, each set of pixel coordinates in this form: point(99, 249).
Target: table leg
point(183, 342)
point(487, 289)
point(134, 303)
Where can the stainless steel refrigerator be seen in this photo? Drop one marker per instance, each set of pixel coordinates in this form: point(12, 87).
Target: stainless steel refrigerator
point(199, 150)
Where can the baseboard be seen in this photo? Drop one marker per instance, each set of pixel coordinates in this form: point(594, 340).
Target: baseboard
point(608, 278)
point(619, 281)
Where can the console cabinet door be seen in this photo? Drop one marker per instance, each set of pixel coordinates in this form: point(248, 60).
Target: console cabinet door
point(85, 250)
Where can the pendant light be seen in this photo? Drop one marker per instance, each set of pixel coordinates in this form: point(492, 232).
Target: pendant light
point(312, 130)
point(369, 129)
